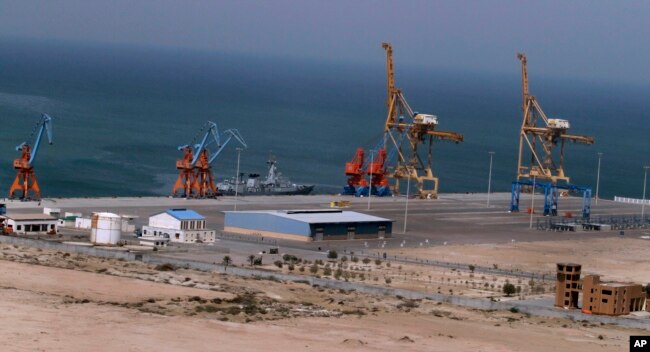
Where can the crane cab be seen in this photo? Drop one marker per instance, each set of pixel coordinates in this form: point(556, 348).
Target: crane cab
point(424, 119)
point(558, 124)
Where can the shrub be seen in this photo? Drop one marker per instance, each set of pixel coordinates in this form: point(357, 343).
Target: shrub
point(166, 267)
point(366, 260)
point(332, 255)
point(509, 289)
point(338, 273)
point(377, 262)
point(327, 271)
point(388, 280)
point(278, 263)
point(471, 268)
point(354, 259)
point(313, 269)
point(344, 258)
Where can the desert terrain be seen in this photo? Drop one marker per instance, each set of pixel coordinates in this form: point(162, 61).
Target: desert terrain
point(54, 301)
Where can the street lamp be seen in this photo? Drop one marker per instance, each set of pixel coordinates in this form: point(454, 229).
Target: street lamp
point(532, 204)
point(406, 207)
point(237, 177)
point(490, 179)
point(372, 160)
point(645, 177)
point(600, 155)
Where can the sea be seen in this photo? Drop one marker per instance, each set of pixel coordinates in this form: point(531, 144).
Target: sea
point(120, 112)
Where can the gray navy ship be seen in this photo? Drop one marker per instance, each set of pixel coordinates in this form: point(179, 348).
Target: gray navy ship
point(273, 184)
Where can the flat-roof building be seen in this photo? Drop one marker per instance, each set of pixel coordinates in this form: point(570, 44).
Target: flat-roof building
point(308, 225)
point(179, 225)
point(29, 224)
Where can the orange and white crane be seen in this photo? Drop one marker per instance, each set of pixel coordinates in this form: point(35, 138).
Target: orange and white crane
point(25, 185)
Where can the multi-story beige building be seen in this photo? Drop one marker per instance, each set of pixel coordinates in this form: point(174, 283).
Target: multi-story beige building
point(567, 290)
point(597, 297)
point(611, 298)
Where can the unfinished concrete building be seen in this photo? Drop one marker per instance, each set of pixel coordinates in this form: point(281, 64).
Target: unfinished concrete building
point(567, 289)
point(611, 298)
point(597, 297)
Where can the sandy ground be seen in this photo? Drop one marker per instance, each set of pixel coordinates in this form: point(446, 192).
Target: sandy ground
point(614, 258)
point(55, 302)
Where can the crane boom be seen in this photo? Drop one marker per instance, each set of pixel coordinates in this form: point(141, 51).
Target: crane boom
point(46, 126)
point(231, 133)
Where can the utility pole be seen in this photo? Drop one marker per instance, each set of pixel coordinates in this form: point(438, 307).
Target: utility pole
point(490, 179)
point(600, 155)
point(406, 207)
point(372, 160)
point(645, 177)
point(237, 177)
point(532, 204)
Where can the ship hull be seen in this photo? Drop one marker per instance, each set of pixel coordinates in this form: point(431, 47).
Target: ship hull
point(304, 190)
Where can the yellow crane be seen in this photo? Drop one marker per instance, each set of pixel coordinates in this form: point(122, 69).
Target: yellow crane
point(540, 136)
point(417, 129)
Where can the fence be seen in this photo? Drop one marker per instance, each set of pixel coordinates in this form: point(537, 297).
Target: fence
point(631, 200)
point(469, 302)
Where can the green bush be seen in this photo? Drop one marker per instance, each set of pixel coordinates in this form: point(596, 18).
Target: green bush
point(332, 255)
point(509, 289)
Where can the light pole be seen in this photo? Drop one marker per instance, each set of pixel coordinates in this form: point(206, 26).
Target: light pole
point(600, 155)
point(372, 160)
point(490, 179)
point(237, 177)
point(532, 204)
point(645, 177)
point(406, 207)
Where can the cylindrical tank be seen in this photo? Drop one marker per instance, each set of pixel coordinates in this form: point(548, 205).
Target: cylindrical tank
point(105, 228)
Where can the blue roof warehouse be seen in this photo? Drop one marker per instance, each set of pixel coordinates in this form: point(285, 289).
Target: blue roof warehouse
point(308, 225)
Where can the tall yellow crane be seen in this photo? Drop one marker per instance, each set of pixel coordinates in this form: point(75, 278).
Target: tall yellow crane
point(418, 129)
point(540, 136)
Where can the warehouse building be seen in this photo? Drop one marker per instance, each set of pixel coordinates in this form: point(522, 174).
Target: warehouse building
point(29, 224)
point(308, 225)
point(179, 225)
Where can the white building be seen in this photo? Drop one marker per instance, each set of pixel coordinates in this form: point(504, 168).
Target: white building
point(179, 225)
point(29, 224)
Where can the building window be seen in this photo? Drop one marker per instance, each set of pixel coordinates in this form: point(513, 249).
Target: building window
point(566, 294)
point(177, 235)
point(607, 292)
point(604, 300)
point(19, 227)
point(591, 299)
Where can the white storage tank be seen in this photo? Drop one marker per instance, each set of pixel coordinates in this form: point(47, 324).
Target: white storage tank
point(105, 228)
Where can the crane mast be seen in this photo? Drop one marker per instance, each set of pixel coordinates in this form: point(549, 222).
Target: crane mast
point(420, 129)
point(25, 181)
point(542, 138)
